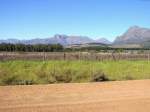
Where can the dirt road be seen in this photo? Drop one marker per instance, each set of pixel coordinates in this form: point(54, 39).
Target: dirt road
point(124, 96)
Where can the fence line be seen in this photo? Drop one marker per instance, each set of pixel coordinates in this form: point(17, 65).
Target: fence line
point(72, 56)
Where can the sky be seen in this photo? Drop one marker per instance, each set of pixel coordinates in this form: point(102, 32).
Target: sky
point(28, 19)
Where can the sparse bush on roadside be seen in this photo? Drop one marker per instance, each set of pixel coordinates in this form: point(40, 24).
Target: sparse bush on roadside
point(14, 80)
point(64, 76)
point(81, 77)
point(51, 79)
point(99, 77)
point(129, 77)
point(10, 80)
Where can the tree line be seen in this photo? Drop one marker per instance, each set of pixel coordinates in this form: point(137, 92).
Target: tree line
point(30, 48)
point(58, 48)
point(105, 49)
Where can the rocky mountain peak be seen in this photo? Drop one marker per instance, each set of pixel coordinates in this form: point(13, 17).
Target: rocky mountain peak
point(134, 34)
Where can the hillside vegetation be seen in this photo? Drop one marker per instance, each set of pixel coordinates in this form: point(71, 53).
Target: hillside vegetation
point(48, 72)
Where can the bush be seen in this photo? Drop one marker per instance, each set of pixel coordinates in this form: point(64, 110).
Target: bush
point(14, 80)
point(64, 78)
point(128, 77)
point(11, 80)
point(99, 77)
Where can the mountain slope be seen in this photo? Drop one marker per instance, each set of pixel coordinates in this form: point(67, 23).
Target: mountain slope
point(68, 40)
point(103, 40)
point(134, 35)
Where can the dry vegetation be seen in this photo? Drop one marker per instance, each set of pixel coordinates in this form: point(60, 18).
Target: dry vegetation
point(72, 56)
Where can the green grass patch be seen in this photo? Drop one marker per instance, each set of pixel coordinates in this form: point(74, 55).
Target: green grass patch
point(48, 72)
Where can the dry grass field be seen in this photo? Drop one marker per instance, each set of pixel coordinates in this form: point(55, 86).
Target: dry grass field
point(118, 96)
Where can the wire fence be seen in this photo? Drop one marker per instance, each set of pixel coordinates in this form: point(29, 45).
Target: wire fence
point(72, 56)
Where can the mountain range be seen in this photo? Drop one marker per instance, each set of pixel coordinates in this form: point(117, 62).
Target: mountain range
point(59, 39)
point(134, 35)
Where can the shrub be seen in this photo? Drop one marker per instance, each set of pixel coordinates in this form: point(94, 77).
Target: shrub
point(99, 77)
point(11, 80)
point(64, 78)
point(14, 80)
point(128, 77)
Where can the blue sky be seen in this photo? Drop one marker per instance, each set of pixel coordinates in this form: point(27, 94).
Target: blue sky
point(26, 19)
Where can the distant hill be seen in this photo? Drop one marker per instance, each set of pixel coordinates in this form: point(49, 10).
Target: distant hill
point(103, 40)
point(58, 39)
point(92, 44)
point(134, 35)
point(13, 41)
